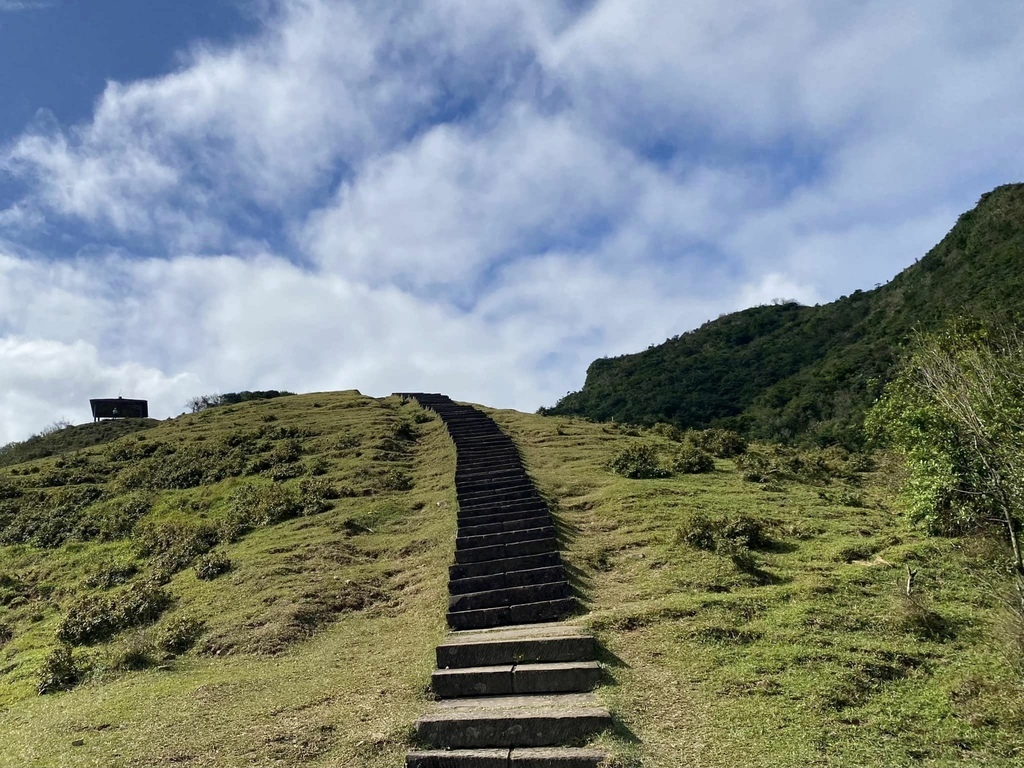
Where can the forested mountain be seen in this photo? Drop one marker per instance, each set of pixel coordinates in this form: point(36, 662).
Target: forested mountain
point(792, 372)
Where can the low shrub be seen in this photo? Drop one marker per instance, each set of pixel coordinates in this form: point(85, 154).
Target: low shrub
point(110, 574)
point(723, 443)
point(47, 519)
point(122, 514)
point(6, 634)
point(638, 461)
point(12, 588)
point(176, 543)
point(92, 618)
point(180, 633)
point(698, 531)
point(724, 534)
point(135, 653)
point(60, 671)
point(257, 504)
point(315, 493)
point(211, 565)
point(757, 467)
point(691, 460)
point(394, 480)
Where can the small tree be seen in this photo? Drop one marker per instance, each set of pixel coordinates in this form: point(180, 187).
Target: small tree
point(956, 414)
point(202, 402)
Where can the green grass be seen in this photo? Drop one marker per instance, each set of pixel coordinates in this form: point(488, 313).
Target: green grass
point(803, 652)
point(317, 644)
point(70, 439)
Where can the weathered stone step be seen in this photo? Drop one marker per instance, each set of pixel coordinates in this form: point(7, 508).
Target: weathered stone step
point(540, 757)
point(469, 527)
point(506, 565)
point(481, 437)
point(491, 474)
point(466, 488)
point(526, 613)
point(529, 644)
point(478, 463)
point(506, 580)
point(506, 551)
point(503, 537)
point(507, 454)
point(497, 495)
point(490, 512)
point(493, 598)
point(516, 679)
point(513, 721)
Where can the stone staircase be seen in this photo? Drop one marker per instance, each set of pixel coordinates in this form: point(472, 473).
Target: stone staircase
point(513, 683)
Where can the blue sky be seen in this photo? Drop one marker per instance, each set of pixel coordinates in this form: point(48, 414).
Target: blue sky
point(472, 196)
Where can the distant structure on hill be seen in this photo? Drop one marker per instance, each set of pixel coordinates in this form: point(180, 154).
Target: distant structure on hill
point(119, 408)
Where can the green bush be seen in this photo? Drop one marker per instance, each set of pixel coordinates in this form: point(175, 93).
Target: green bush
point(757, 467)
point(698, 531)
point(315, 493)
point(723, 443)
point(92, 618)
point(211, 565)
point(12, 588)
point(6, 634)
point(47, 519)
point(180, 633)
point(258, 504)
point(394, 480)
point(60, 671)
point(111, 574)
point(725, 534)
point(691, 460)
point(638, 461)
point(133, 654)
point(176, 543)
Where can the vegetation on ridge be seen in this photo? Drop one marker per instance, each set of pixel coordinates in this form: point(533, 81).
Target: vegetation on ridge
point(255, 584)
point(808, 374)
point(759, 614)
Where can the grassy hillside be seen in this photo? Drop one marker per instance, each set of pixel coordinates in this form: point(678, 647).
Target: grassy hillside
point(808, 373)
point(71, 438)
point(790, 643)
point(316, 644)
point(744, 623)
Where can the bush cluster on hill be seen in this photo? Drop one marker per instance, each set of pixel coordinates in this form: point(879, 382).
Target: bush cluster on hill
point(808, 374)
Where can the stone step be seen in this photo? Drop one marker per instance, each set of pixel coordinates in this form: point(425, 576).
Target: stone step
point(506, 565)
point(503, 537)
point(481, 437)
point(526, 613)
point(506, 473)
point(526, 644)
point(506, 580)
point(470, 527)
point(506, 551)
point(516, 679)
point(515, 493)
point(482, 514)
point(466, 488)
point(540, 757)
point(477, 462)
point(513, 721)
point(496, 456)
point(494, 598)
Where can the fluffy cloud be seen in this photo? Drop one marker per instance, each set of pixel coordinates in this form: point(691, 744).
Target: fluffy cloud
point(481, 196)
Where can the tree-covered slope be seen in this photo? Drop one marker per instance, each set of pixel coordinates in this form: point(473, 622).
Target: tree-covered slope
point(794, 372)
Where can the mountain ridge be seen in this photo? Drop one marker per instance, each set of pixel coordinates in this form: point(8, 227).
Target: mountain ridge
point(807, 374)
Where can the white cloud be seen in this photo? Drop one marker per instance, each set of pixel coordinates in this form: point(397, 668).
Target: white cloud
point(481, 196)
point(42, 381)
